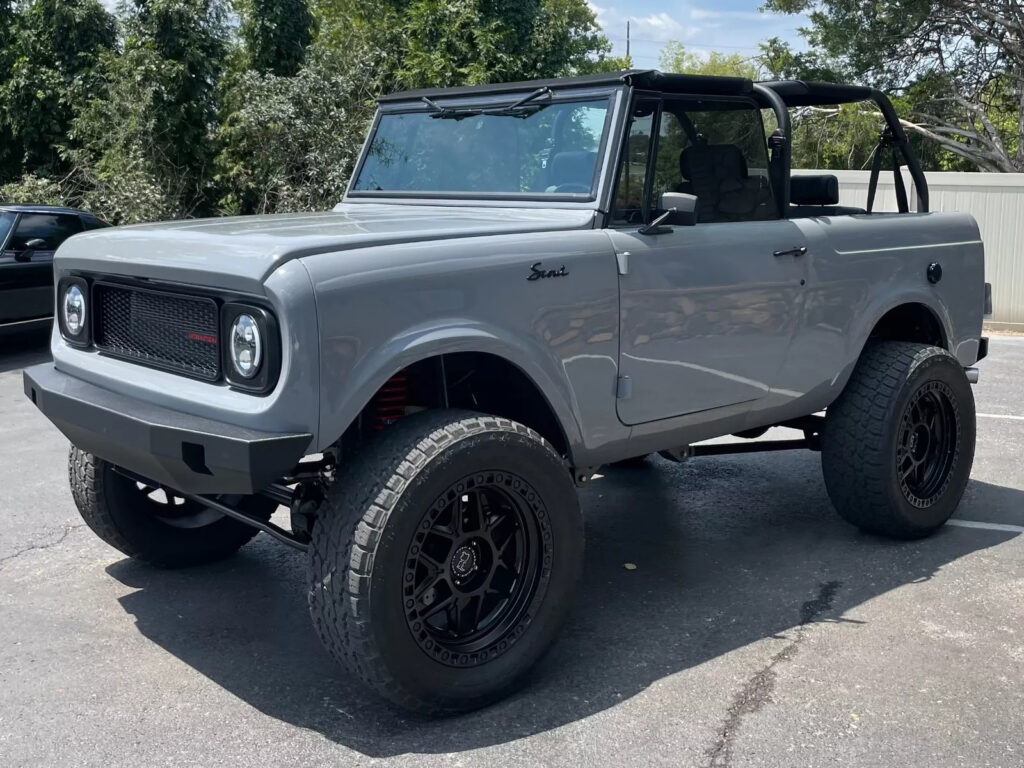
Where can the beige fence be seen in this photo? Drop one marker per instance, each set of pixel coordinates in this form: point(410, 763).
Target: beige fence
point(996, 200)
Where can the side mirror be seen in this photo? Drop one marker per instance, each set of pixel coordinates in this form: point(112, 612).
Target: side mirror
point(31, 246)
point(682, 208)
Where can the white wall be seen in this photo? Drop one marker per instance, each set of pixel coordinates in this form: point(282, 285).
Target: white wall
point(996, 200)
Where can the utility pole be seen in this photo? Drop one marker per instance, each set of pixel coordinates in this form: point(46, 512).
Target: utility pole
point(627, 38)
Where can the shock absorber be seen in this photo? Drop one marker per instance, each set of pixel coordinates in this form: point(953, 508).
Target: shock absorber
point(390, 402)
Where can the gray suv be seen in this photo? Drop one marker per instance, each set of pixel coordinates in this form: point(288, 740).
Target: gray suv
point(523, 283)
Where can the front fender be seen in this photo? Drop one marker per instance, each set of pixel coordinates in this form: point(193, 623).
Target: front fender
point(456, 335)
point(382, 309)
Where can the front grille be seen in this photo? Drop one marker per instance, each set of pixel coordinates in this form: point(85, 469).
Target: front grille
point(166, 330)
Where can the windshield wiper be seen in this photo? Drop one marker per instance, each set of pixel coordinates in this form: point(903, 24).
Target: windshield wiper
point(525, 107)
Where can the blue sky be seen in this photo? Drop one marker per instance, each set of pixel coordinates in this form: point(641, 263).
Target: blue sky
point(729, 26)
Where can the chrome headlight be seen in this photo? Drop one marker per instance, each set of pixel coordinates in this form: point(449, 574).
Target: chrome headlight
point(73, 310)
point(246, 346)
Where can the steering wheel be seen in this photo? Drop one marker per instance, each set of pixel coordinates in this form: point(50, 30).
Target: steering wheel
point(572, 187)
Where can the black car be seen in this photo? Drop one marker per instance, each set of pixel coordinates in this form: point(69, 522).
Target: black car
point(29, 234)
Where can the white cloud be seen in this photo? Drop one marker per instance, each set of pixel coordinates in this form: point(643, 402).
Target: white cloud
point(659, 24)
point(702, 13)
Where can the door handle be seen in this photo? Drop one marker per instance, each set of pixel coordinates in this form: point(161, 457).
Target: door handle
point(798, 251)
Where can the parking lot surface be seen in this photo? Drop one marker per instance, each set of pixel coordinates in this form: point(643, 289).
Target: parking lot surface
point(757, 629)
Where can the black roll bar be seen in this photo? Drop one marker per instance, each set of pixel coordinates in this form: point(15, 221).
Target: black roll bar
point(900, 142)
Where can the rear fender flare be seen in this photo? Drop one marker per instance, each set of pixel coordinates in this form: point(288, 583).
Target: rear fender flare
point(874, 312)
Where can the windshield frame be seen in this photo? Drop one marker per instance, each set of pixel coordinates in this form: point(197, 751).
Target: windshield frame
point(598, 191)
point(5, 235)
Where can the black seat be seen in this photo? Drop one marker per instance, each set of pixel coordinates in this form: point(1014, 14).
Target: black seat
point(813, 195)
point(717, 174)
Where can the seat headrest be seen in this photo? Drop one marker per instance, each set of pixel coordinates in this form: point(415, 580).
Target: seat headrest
point(726, 160)
point(818, 189)
point(575, 167)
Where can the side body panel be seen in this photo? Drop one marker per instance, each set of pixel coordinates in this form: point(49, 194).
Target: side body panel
point(708, 315)
point(351, 318)
point(393, 306)
point(860, 267)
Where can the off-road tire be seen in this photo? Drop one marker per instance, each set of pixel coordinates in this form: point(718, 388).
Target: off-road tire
point(111, 506)
point(865, 447)
point(376, 511)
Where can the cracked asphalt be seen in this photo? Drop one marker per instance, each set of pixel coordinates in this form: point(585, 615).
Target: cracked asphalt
point(757, 629)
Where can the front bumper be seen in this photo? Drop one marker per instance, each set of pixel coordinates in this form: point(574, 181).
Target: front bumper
point(187, 453)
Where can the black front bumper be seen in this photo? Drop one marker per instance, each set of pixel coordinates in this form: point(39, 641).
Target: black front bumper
point(188, 453)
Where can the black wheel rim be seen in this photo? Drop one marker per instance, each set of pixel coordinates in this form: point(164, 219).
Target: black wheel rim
point(162, 503)
point(479, 560)
point(928, 444)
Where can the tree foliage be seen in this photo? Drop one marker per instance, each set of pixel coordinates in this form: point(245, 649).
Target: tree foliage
point(289, 143)
point(432, 43)
point(675, 58)
point(274, 35)
point(143, 144)
point(48, 53)
point(192, 107)
point(958, 63)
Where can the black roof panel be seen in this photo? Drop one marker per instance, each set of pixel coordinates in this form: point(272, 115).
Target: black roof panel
point(646, 79)
point(797, 93)
point(21, 208)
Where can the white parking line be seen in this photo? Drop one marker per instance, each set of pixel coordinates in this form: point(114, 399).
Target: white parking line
point(986, 526)
point(1001, 416)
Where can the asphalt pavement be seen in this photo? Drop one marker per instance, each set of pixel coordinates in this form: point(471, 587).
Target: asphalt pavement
point(757, 629)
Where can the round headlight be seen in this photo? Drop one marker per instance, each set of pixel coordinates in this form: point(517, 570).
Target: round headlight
point(246, 346)
point(74, 310)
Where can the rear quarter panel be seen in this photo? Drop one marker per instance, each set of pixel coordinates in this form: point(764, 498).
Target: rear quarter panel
point(860, 268)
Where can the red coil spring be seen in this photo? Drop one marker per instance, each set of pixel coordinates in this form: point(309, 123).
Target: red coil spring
point(390, 402)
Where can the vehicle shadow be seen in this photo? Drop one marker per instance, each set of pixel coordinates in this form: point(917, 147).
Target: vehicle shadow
point(20, 349)
point(728, 551)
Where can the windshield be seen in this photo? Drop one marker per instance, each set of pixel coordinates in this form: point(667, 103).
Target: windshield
point(548, 151)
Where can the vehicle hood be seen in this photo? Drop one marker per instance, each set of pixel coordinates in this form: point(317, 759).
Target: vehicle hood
point(238, 253)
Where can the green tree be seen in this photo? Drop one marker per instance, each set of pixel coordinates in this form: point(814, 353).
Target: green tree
point(960, 62)
point(675, 58)
point(567, 40)
point(780, 62)
point(145, 139)
point(436, 43)
point(10, 161)
point(185, 107)
point(290, 143)
point(50, 49)
point(274, 34)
